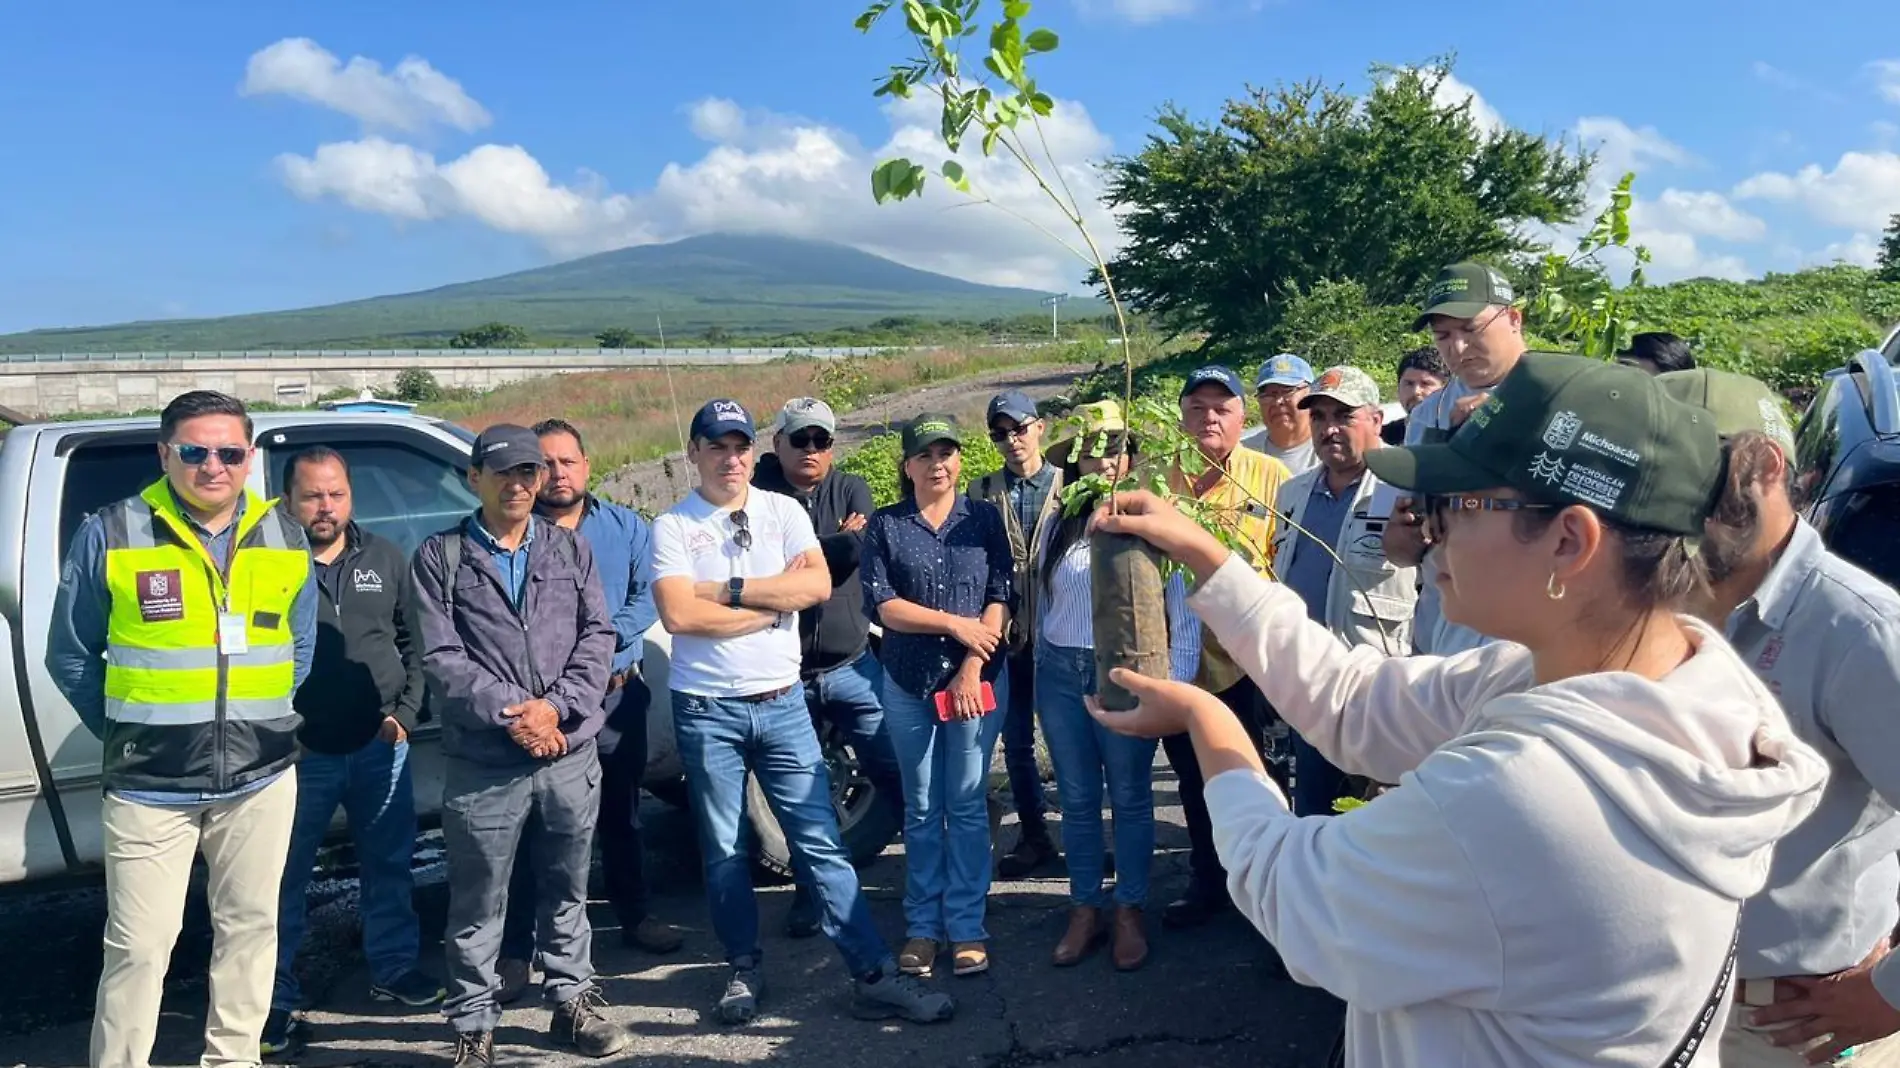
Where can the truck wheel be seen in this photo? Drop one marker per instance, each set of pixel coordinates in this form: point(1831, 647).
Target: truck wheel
point(866, 822)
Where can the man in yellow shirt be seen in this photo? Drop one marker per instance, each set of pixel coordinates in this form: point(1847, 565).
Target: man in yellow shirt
point(1238, 489)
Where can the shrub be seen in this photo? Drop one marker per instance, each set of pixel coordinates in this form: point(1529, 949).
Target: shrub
point(875, 461)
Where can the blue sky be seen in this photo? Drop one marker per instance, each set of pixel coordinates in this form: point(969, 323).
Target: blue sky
point(220, 157)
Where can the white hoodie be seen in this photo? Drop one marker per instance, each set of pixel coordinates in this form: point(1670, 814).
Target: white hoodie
point(1556, 879)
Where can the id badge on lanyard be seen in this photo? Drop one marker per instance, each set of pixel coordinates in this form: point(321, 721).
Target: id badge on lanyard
point(233, 639)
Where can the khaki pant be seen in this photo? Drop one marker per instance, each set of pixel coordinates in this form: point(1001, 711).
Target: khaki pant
point(1742, 1048)
point(149, 850)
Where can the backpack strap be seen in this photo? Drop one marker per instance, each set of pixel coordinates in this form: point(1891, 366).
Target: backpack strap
point(451, 563)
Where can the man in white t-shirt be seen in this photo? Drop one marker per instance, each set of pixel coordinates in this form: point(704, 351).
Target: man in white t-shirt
point(733, 565)
point(1480, 334)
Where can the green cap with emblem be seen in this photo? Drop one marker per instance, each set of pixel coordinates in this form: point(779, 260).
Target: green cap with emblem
point(928, 429)
point(1738, 402)
point(1568, 430)
point(1464, 291)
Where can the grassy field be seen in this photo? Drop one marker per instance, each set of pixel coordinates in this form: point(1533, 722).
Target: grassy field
point(628, 416)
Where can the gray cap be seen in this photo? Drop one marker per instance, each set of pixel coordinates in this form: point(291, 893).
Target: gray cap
point(802, 412)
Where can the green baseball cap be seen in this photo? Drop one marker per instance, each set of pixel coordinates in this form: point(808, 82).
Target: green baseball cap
point(1463, 291)
point(1738, 402)
point(928, 429)
point(1568, 430)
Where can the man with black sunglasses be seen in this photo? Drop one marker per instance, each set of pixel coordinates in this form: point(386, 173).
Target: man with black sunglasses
point(841, 678)
point(731, 562)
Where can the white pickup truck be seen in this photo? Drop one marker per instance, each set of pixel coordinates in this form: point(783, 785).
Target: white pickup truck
point(408, 481)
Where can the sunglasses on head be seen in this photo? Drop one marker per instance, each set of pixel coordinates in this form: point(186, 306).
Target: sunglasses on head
point(814, 440)
point(196, 455)
point(1436, 508)
point(741, 530)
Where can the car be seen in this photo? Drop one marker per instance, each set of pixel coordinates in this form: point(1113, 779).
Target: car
point(1847, 452)
point(408, 477)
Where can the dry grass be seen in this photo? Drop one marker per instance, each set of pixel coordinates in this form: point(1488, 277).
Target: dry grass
point(627, 416)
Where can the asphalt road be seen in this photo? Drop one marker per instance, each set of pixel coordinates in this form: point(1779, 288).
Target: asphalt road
point(1212, 996)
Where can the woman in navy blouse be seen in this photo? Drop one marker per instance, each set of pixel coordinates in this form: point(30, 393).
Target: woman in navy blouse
point(936, 572)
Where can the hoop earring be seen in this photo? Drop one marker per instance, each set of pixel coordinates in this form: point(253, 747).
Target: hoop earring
point(1553, 589)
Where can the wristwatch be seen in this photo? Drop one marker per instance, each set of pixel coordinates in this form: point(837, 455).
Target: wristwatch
point(734, 587)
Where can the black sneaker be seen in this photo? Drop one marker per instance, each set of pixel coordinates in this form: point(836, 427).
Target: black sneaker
point(740, 1003)
point(1032, 850)
point(474, 1049)
point(579, 1025)
point(1202, 902)
point(411, 988)
point(282, 1030)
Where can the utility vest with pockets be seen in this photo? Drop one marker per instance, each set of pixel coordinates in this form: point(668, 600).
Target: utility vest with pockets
point(185, 712)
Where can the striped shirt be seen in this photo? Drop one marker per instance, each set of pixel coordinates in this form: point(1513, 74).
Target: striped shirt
point(1068, 613)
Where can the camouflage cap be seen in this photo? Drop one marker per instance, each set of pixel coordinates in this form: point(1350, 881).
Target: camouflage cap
point(1348, 385)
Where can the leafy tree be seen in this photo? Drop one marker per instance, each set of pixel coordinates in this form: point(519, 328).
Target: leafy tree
point(619, 337)
point(1889, 269)
point(417, 386)
point(1303, 184)
point(718, 335)
point(491, 336)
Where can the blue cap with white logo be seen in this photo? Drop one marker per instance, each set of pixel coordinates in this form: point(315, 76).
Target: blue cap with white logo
point(1214, 374)
point(719, 417)
point(1285, 369)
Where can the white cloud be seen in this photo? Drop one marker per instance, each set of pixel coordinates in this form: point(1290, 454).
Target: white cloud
point(409, 98)
point(1861, 250)
point(1621, 149)
point(1451, 93)
point(763, 173)
point(1860, 193)
point(1793, 83)
point(1886, 73)
point(1707, 214)
point(1139, 12)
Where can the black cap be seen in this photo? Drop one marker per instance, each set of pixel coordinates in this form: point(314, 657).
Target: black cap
point(928, 429)
point(1013, 405)
point(1215, 374)
point(504, 446)
point(719, 417)
point(1570, 430)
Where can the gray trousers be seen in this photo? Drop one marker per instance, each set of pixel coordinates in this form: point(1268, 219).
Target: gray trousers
point(486, 811)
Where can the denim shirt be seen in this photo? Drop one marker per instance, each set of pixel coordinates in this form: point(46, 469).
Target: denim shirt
point(961, 568)
point(510, 564)
point(76, 642)
point(622, 541)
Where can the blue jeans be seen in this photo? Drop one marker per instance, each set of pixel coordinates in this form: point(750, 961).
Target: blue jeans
point(1086, 753)
point(946, 813)
point(372, 785)
point(719, 740)
point(1316, 783)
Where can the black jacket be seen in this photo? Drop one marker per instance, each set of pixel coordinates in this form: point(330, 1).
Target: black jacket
point(835, 632)
point(367, 663)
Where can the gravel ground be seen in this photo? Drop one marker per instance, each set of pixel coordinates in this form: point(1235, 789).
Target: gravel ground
point(1213, 996)
point(657, 484)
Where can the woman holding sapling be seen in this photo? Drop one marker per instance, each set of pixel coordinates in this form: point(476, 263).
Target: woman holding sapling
point(1582, 807)
point(936, 570)
point(1095, 450)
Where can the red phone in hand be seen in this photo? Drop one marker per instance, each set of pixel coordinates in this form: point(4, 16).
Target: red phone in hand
point(945, 709)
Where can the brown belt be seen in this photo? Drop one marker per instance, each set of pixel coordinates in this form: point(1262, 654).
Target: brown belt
point(761, 698)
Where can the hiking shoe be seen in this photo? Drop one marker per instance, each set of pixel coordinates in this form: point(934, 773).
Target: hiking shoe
point(474, 1049)
point(579, 1025)
point(282, 1030)
point(1032, 850)
point(740, 1003)
point(919, 956)
point(411, 988)
point(514, 980)
point(969, 958)
point(888, 994)
point(653, 936)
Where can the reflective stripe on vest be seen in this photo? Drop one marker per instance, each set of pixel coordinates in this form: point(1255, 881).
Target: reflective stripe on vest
point(162, 662)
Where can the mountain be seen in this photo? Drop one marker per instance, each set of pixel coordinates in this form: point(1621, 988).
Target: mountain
point(744, 285)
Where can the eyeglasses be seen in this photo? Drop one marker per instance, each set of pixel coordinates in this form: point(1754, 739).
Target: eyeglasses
point(741, 530)
point(1436, 508)
point(813, 440)
point(1019, 430)
point(196, 455)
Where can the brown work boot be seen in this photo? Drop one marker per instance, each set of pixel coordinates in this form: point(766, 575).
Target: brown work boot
point(1131, 940)
point(1086, 931)
point(918, 957)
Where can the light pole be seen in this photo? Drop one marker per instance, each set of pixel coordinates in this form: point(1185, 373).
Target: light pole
point(1054, 303)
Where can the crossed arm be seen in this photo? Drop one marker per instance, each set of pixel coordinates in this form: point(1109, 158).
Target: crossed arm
point(701, 609)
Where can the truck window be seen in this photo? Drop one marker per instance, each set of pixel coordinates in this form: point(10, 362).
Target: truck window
point(98, 474)
point(1866, 531)
point(401, 492)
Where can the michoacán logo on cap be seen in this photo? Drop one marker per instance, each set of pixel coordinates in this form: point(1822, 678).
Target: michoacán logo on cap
point(934, 427)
